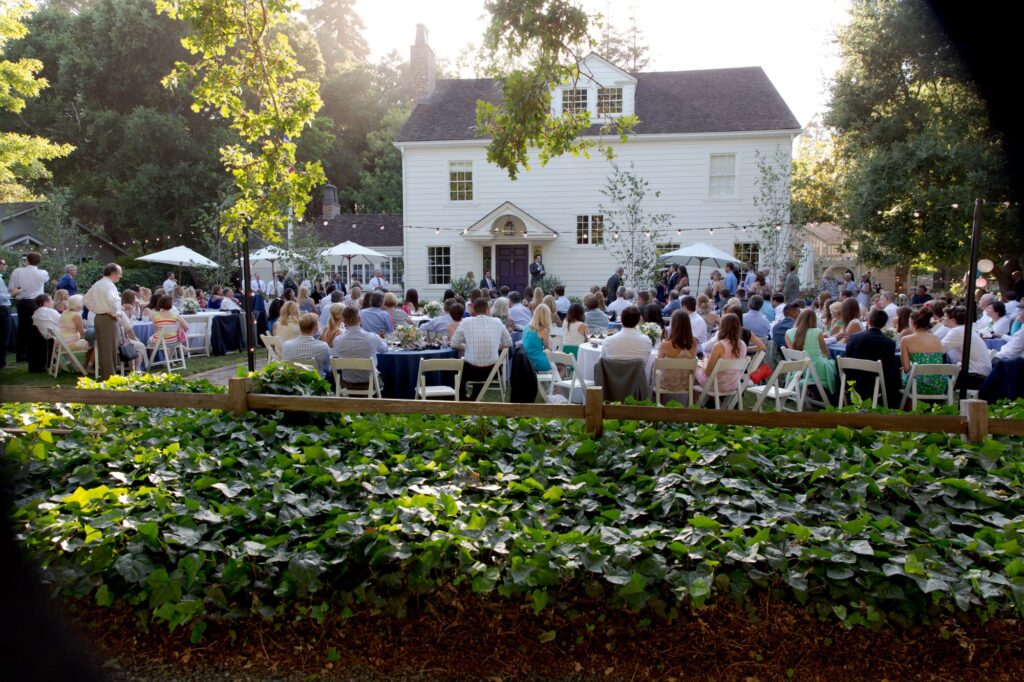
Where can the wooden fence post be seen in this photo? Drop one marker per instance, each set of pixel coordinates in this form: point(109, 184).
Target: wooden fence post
point(594, 411)
point(976, 412)
point(238, 395)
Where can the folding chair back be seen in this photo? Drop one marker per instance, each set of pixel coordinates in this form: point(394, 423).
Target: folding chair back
point(61, 352)
point(687, 364)
point(275, 349)
point(174, 354)
point(916, 370)
point(810, 375)
point(372, 390)
point(198, 338)
point(784, 384)
point(571, 380)
point(424, 392)
point(733, 398)
point(497, 372)
point(873, 367)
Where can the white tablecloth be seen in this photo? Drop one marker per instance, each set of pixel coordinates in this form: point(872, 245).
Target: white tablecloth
point(588, 356)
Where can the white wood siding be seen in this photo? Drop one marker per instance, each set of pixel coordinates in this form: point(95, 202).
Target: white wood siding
point(570, 186)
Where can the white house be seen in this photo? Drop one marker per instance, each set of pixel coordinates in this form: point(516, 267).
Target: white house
point(695, 143)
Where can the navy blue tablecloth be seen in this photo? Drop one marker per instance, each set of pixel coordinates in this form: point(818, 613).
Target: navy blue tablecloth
point(226, 334)
point(398, 371)
point(1006, 382)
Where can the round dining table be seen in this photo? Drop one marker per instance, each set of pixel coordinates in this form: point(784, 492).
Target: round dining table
point(590, 353)
point(398, 370)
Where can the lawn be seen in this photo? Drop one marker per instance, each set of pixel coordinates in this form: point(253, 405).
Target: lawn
point(17, 374)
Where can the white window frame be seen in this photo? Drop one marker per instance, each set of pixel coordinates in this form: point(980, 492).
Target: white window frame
point(747, 248)
point(735, 175)
point(439, 274)
point(666, 247)
point(576, 102)
point(460, 166)
point(594, 230)
point(621, 100)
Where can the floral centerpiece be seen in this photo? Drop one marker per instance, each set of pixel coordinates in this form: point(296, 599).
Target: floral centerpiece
point(189, 306)
point(651, 330)
point(407, 335)
point(433, 309)
point(889, 333)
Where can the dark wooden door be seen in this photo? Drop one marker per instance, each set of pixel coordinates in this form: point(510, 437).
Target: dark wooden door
point(512, 266)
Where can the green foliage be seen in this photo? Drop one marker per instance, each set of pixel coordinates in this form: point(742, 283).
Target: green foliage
point(21, 156)
point(380, 183)
point(628, 225)
point(548, 283)
point(462, 287)
point(283, 378)
point(188, 515)
point(534, 46)
point(338, 31)
point(57, 228)
point(912, 135)
point(247, 73)
point(166, 382)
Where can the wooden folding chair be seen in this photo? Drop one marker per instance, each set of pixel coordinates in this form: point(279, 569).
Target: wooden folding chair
point(373, 388)
point(424, 392)
point(689, 364)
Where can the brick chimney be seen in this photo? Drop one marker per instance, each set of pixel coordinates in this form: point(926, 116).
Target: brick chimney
point(331, 206)
point(421, 64)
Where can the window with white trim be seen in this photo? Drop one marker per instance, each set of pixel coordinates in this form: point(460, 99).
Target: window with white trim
point(460, 180)
point(590, 229)
point(667, 247)
point(609, 101)
point(574, 100)
point(722, 176)
point(439, 264)
point(748, 252)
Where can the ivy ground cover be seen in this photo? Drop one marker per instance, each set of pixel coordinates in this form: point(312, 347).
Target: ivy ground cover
point(189, 516)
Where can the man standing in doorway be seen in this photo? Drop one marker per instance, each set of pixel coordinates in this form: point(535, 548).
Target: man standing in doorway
point(103, 300)
point(537, 271)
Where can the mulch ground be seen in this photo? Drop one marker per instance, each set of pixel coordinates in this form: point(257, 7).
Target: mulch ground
point(498, 640)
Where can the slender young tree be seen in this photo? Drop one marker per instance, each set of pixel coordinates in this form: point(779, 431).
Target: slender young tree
point(630, 230)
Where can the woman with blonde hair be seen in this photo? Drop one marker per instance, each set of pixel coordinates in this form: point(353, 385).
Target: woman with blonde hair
point(305, 301)
point(538, 298)
point(398, 316)
point(72, 326)
point(537, 339)
point(705, 311)
point(499, 310)
point(334, 324)
point(834, 324)
point(549, 301)
point(60, 300)
point(287, 326)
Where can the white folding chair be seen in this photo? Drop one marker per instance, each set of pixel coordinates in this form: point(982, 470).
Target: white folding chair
point(372, 390)
point(275, 349)
point(497, 373)
point(916, 370)
point(556, 342)
point(732, 398)
point(755, 361)
point(61, 353)
point(869, 367)
point(174, 354)
point(688, 364)
point(572, 379)
point(424, 392)
point(810, 375)
point(198, 335)
point(784, 384)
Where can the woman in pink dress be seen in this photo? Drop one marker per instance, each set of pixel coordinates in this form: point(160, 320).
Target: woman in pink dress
point(728, 347)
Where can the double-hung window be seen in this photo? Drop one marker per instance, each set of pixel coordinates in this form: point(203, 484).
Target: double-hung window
point(439, 264)
point(722, 178)
point(748, 252)
point(460, 180)
point(574, 100)
point(609, 101)
point(590, 229)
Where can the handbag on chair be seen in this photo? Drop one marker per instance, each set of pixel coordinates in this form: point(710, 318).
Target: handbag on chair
point(126, 351)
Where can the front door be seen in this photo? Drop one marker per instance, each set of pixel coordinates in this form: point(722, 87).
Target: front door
point(512, 264)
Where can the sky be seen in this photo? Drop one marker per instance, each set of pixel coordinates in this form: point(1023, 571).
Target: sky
point(793, 40)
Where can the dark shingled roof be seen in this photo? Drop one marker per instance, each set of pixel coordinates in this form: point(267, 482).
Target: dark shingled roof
point(367, 231)
point(708, 101)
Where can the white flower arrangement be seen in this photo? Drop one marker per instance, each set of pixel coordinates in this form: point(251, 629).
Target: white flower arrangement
point(652, 330)
point(433, 309)
point(189, 306)
point(407, 335)
point(889, 333)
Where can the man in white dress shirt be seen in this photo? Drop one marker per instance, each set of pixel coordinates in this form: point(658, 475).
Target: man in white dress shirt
point(169, 284)
point(25, 285)
point(885, 302)
point(480, 338)
point(103, 300)
point(377, 282)
point(980, 364)
point(624, 299)
point(258, 285)
point(629, 343)
point(1014, 348)
point(697, 323)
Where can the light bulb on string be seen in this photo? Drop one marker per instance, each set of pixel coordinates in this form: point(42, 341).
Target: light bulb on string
point(956, 205)
point(353, 226)
point(679, 232)
point(711, 231)
point(917, 214)
point(437, 230)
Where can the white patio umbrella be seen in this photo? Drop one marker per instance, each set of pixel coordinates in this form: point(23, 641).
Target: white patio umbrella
point(698, 253)
point(271, 253)
point(180, 256)
point(350, 250)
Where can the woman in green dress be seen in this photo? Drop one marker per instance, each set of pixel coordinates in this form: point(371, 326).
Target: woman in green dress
point(806, 336)
point(921, 347)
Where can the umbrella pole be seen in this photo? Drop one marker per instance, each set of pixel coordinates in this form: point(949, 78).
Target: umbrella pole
point(700, 266)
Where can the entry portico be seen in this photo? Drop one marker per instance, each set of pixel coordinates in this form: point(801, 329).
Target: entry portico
point(505, 241)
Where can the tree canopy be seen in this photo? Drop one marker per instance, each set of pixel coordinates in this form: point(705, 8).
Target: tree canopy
point(913, 138)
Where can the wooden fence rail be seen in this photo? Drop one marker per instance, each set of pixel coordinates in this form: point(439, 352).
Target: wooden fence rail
point(973, 422)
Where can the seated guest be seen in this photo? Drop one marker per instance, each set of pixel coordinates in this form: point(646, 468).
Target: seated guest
point(624, 299)
point(887, 303)
point(499, 310)
point(673, 303)
point(834, 319)
point(537, 339)
point(754, 320)
point(354, 297)
point(356, 342)
point(1014, 348)
point(629, 343)
point(652, 313)
point(921, 297)
point(325, 316)
point(679, 344)
point(778, 302)
point(374, 319)
point(921, 347)
point(697, 324)
point(790, 311)
point(556, 317)
point(480, 338)
point(575, 327)
point(128, 335)
point(287, 326)
point(229, 302)
point(60, 299)
point(849, 317)
point(412, 302)
point(1011, 303)
point(305, 348)
point(980, 364)
point(729, 346)
point(748, 338)
point(596, 319)
point(46, 315)
point(706, 313)
point(334, 322)
point(456, 312)
point(517, 312)
point(397, 315)
point(903, 325)
point(874, 345)
point(215, 298)
point(305, 301)
point(130, 305)
point(805, 336)
point(167, 324)
point(439, 324)
point(561, 302)
point(1000, 326)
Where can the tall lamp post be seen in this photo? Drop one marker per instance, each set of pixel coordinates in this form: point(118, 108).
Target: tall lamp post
point(972, 305)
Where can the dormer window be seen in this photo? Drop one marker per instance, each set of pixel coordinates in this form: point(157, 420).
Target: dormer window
point(574, 100)
point(609, 101)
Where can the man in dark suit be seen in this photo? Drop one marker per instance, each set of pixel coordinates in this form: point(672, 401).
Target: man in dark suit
point(487, 283)
point(673, 277)
point(615, 281)
point(874, 345)
point(537, 271)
